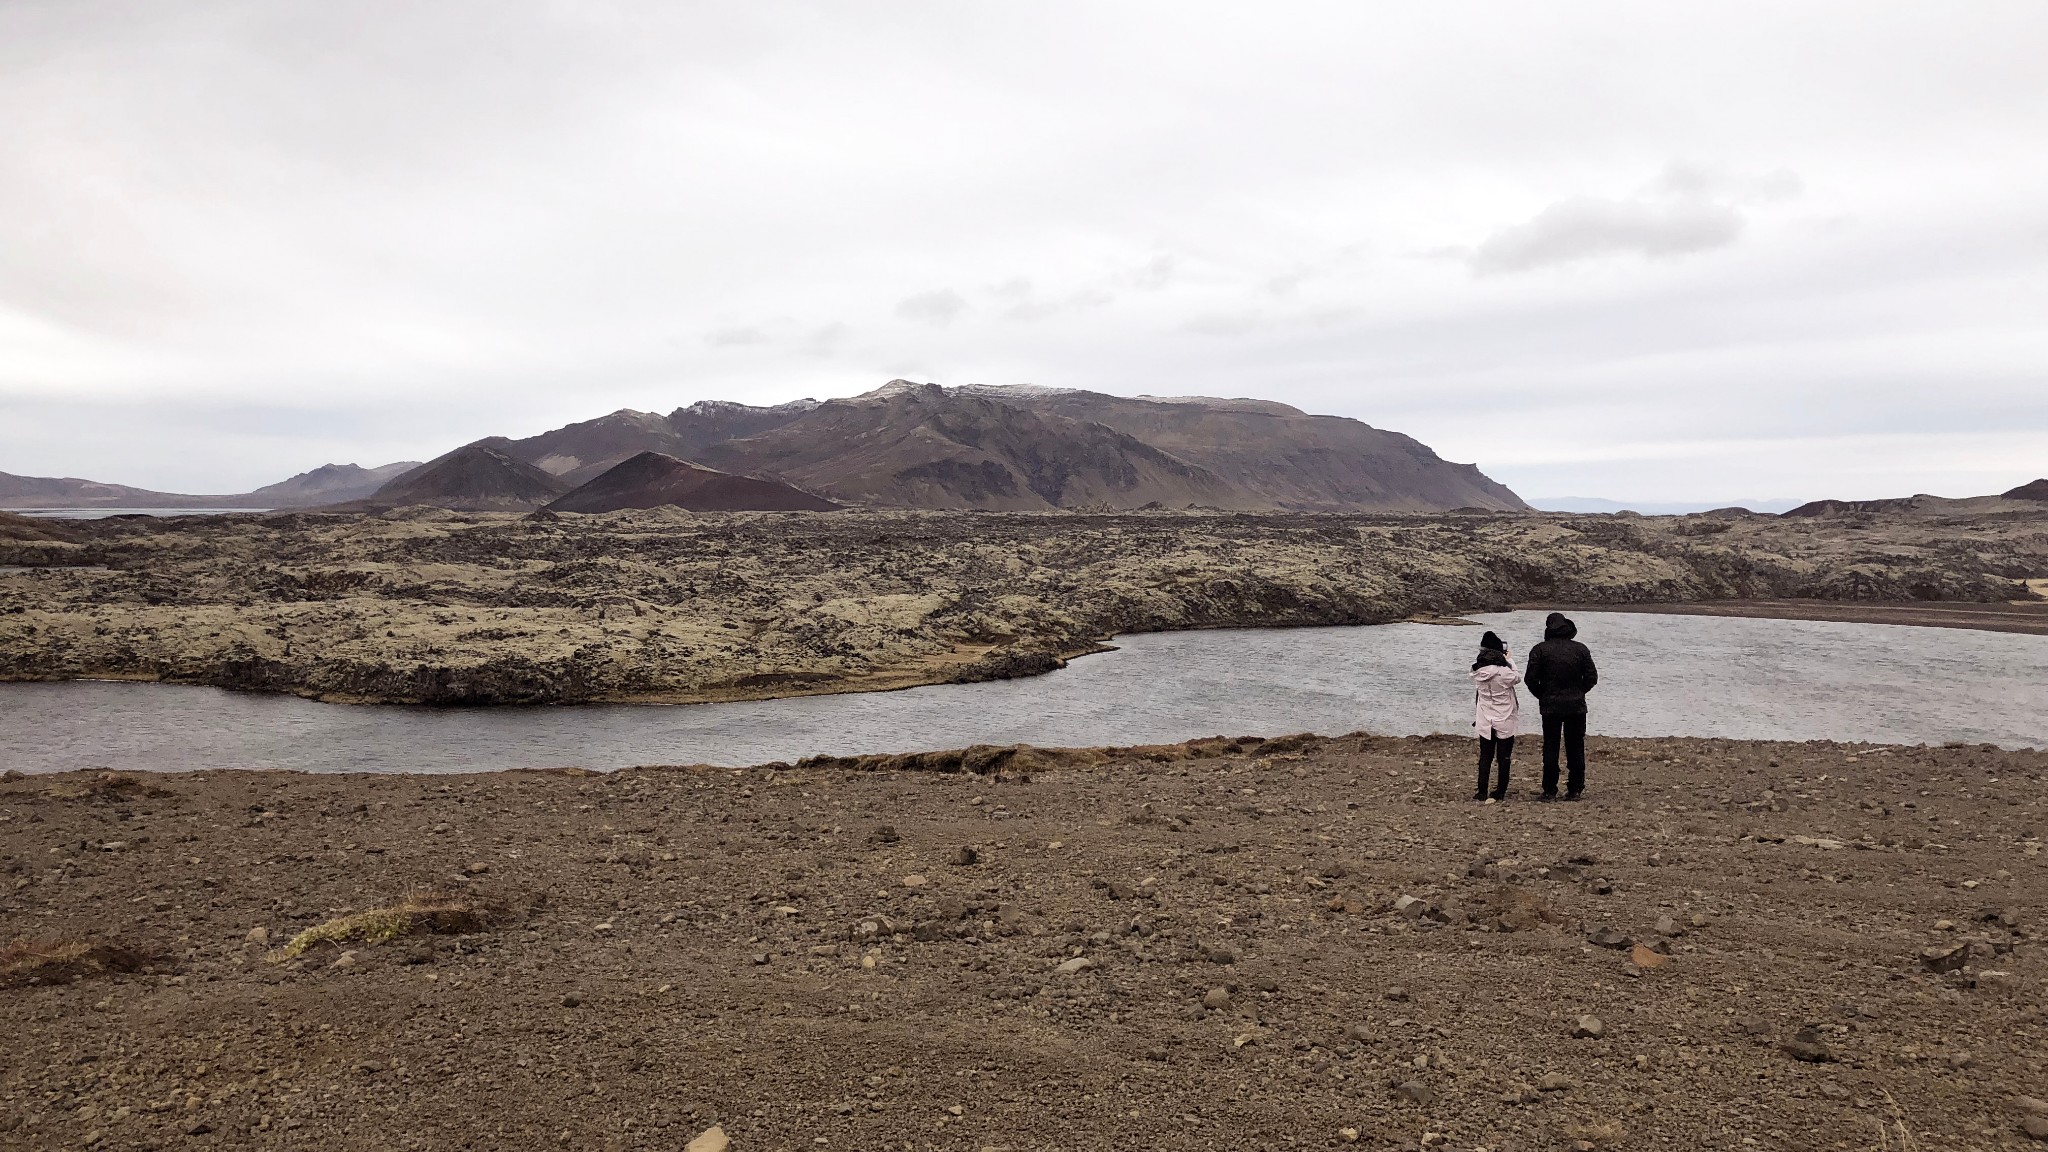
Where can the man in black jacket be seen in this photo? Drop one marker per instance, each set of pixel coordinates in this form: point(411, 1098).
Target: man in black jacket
point(1560, 672)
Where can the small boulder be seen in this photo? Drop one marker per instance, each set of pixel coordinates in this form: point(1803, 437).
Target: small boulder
point(1943, 960)
point(1588, 1028)
point(1077, 964)
point(1555, 1082)
point(1610, 938)
point(2036, 1127)
point(712, 1139)
point(1216, 999)
point(964, 855)
point(1807, 1046)
point(1415, 1091)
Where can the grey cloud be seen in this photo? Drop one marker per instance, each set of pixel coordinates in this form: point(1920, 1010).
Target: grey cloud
point(502, 215)
point(1687, 208)
point(1585, 227)
point(939, 306)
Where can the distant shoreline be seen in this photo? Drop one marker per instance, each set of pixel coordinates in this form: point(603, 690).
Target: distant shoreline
point(2025, 618)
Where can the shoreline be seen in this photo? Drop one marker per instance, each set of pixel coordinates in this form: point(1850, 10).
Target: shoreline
point(977, 664)
point(664, 608)
point(2022, 617)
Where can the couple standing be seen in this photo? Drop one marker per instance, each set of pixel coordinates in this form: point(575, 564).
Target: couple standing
point(1560, 672)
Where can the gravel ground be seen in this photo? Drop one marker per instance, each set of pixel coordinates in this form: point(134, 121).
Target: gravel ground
point(1298, 943)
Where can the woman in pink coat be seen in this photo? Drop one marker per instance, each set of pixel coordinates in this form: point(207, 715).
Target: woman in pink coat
point(1495, 708)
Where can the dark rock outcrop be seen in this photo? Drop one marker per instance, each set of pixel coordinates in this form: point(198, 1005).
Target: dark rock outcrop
point(654, 480)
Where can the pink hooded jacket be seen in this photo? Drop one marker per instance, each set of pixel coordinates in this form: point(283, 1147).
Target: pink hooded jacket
point(1496, 707)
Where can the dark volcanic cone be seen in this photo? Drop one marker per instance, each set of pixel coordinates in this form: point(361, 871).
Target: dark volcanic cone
point(653, 479)
point(2038, 490)
point(477, 477)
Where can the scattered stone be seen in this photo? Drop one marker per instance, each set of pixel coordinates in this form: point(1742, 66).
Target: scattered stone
point(1077, 964)
point(1949, 959)
point(1666, 926)
point(1397, 993)
point(1644, 956)
point(1216, 999)
point(883, 834)
point(1961, 1060)
point(759, 958)
point(1588, 1028)
point(1415, 1091)
point(1219, 956)
point(1609, 938)
point(1348, 1135)
point(1555, 1082)
point(2031, 1105)
point(1808, 1046)
point(964, 855)
point(572, 1001)
point(2036, 1127)
point(258, 936)
point(199, 1129)
point(712, 1139)
point(1359, 1032)
point(477, 868)
point(914, 880)
point(1520, 1093)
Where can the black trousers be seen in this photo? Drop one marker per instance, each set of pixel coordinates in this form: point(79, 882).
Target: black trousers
point(1570, 730)
point(1491, 749)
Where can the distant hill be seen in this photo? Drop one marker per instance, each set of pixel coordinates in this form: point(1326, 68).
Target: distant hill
point(926, 447)
point(1276, 456)
point(1654, 507)
point(328, 484)
point(479, 477)
point(910, 445)
point(654, 480)
point(2027, 498)
point(71, 492)
point(1024, 448)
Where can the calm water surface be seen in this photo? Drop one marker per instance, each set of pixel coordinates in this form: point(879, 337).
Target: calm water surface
point(1660, 676)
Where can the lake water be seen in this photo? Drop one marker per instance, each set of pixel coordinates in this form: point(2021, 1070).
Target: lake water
point(103, 513)
point(1660, 676)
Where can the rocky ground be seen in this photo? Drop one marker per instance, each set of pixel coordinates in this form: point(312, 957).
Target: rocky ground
point(420, 605)
point(1295, 943)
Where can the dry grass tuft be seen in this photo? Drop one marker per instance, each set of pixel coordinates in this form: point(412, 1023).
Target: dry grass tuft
point(61, 961)
point(1896, 1137)
point(420, 914)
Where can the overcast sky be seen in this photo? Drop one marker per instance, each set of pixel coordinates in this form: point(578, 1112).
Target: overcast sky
point(1647, 251)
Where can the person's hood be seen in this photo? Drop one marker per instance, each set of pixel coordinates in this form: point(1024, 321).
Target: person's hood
point(1490, 671)
point(1491, 642)
point(1558, 627)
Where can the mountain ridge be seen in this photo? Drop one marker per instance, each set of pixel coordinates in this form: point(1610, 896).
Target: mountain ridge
point(920, 445)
